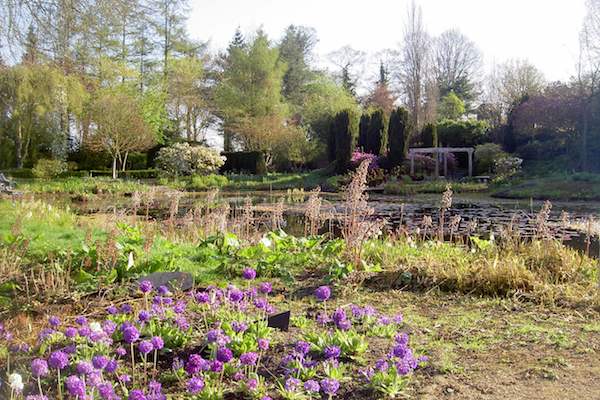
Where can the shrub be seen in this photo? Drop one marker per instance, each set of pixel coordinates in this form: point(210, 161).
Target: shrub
point(203, 182)
point(486, 155)
point(430, 135)
point(462, 133)
point(358, 157)
point(398, 136)
point(345, 127)
point(507, 167)
point(376, 141)
point(47, 169)
point(251, 162)
point(181, 159)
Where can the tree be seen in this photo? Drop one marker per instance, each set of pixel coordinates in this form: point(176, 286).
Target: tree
point(451, 107)
point(249, 97)
point(363, 131)
point(119, 127)
point(32, 98)
point(457, 63)
point(376, 134)
point(295, 50)
point(516, 80)
point(187, 96)
point(398, 131)
point(588, 77)
point(350, 63)
point(345, 128)
point(381, 96)
point(413, 70)
point(430, 135)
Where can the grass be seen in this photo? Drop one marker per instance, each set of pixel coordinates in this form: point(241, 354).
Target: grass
point(579, 186)
point(403, 188)
point(81, 186)
point(272, 181)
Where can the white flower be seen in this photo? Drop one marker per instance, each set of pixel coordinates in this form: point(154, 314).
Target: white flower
point(95, 327)
point(265, 241)
point(130, 261)
point(15, 381)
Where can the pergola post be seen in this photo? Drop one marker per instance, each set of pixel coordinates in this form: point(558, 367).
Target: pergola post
point(412, 164)
point(470, 163)
point(437, 164)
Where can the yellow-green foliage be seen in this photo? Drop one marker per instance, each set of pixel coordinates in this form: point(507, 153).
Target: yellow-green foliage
point(537, 270)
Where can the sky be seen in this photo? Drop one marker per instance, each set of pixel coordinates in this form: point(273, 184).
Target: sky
point(543, 31)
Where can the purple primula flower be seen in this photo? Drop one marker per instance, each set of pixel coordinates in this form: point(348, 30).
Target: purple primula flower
point(146, 286)
point(239, 327)
point(213, 335)
point(261, 303)
point(109, 327)
point(312, 386)
point(265, 288)
point(58, 360)
point(99, 361)
point(124, 378)
point(39, 368)
point(130, 334)
point(249, 274)
point(238, 376)
point(106, 391)
point(249, 358)
point(330, 386)
point(401, 338)
point(291, 384)
point(398, 319)
point(302, 347)
point(136, 395)
point(252, 384)
point(94, 378)
point(381, 365)
point(112, 310)
point(144, 316)
point(224, 354)
point(157, 342)
point(202, 297)
point(120, 351)
point(154, 387)
point(196, 364)
point(384, 320)
point(236, 295)
point(323, 293)
point(182, 323)
point(179, 307)
point(84, 331)
point(263, 344)
point(75, 386)
point(84, 368)
point(216, 366)
point(323, 319)
point(195, 385)
point(111, 366)
point(331, 352)
point(126, 309)
point(344, 325)
point(54, 321)
point(339, 315)
point(164, 291)
point(145, 346)
point(81, 320)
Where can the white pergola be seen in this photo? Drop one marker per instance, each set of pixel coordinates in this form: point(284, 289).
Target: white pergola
point(444, 151)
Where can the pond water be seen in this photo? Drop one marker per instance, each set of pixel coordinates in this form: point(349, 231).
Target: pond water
point(478, 213)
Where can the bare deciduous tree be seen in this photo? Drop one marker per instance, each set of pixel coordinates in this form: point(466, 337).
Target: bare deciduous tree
point(414, 65)
point(351, 65)
point(457, 63)
point(588, 72)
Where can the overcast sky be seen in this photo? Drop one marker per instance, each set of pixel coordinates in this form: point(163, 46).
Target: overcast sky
point(543, 31)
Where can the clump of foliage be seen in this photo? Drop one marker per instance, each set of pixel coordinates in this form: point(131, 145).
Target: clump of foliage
point(430, 135)
point(181, 159)
point(47, 169)
point(344, 131)
point(462, 133)
point(398, 136)
point(486, 156)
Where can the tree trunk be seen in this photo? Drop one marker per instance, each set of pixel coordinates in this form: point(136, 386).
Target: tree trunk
point(584, 136)
point(19, 146)
point(124, 164)
point(114, 167)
